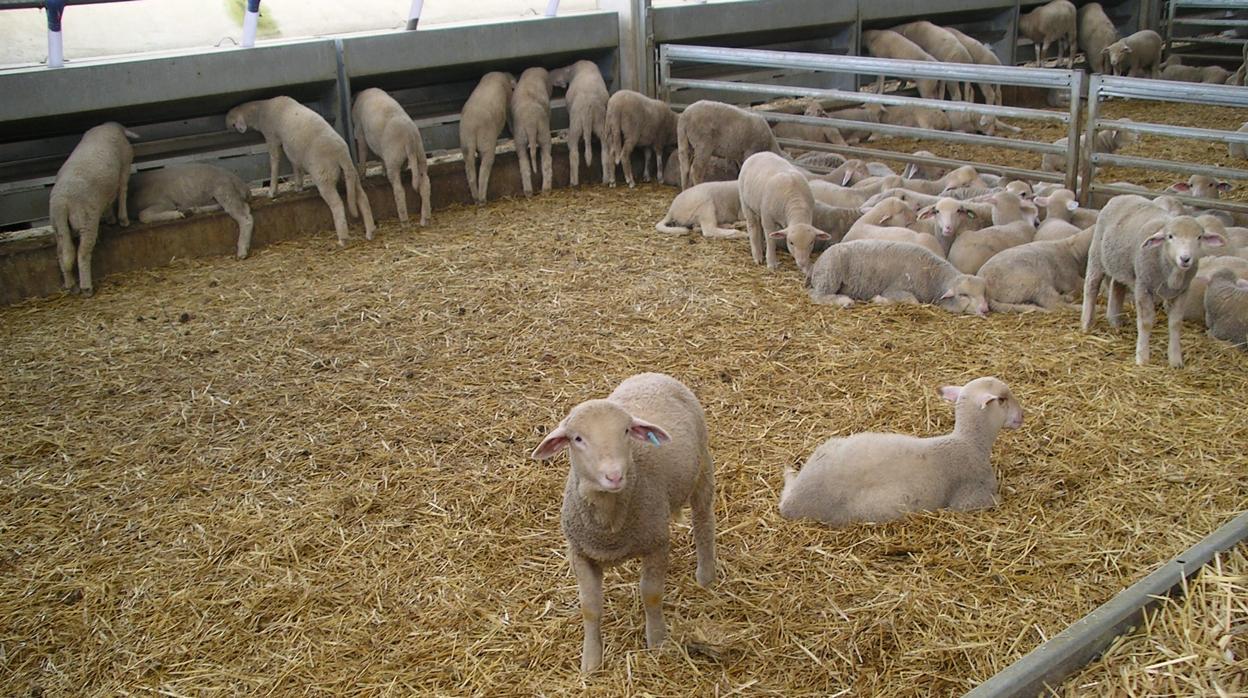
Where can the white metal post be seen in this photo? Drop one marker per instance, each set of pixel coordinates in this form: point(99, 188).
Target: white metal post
point(56, 45)
point(413, 15)
point(250, 19)
point(552, 8)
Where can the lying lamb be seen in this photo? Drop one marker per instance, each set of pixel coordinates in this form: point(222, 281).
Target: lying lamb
point(383, 125)
point(1226, 308)
point(704, 206)
point(637, 458)
point(1205, 269)
point(1106, 142)
point(887, 220)
point(1037, 275)
point(708, 128)
point(873, 477)
point(972, 248)
point(166, 194)
point(1059, 205)
point(777, 205)
point(884, 271)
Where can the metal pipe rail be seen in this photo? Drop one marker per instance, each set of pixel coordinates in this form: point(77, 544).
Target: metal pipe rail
point(40, 4)
point(1172, 20)
point(857, 65)
point(910, 158)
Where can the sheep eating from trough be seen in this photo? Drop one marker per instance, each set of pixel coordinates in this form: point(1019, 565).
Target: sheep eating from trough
point(587, 98)
point(530, 126)
point(637, 458)
point(884, 271)
point(872, 477)
point(166, 194)
point(889, 44)
point(777, 205)
point(704, 206)
point(383, 125)
point(481, 122)
point(706, 129)
point(634, 119)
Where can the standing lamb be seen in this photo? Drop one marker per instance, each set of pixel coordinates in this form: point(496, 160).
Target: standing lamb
point(1051, 23)
point(1139, 245)
point(982, 55)
point(1138, 55)
point(890, 44)
point(634, 119)
point(1096, 32)
point(1038, 275)
point(873, 477)
point(941, 45)
point(530, 126)
point(312, 146)
point(1226, 308)
point(884, 271)
point(480, 123)
point(706, 129)
point(165, 194)
point(587, 114)
point(383, 125)
point(777, 205)
point(637, 458)
point(96, 173)
point(704, 206)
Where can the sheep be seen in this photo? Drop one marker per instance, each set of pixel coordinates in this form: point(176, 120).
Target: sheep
point(717, 170)
point(809, 132)
point(1138, 244)
point(986, 124)
point(888, 212)
point(916, 171)
point(1173, 69)
point(917, 117)
point(959, 177)
point(708, 128)
point(1138, 55)
point(1096, 32)
point(777, 205)
point(1206, 267)
point(1060, 206)
point(834, 195)
point(817, 158)
point(1238, 150)
point(1036, 275)
point(587, 98)
point(1226, 308)
point(481, 122)
point(885, 271)
point(950, 217)
point(383, 125)
point(890, 44)
point(530, 126)
point(872, 477)
point(833, 220)
point(95, 174)
point(1201, 186)
point(887, 220)
point(704, 206)
point(1238, 77)
point(634, 119)
point(972, 248)
point(637, 458)
point(165, 195)
point(845, 174)
point(1051, 23)
point(1108, 141)
point(941, 45)
point(312, 146)
point(982, 55)
point(869, 114)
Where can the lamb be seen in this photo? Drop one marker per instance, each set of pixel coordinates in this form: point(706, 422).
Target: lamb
point(1060, 206)
point(834, 195)
point(1096, 32)
point(982, 55)
point(1138, 55)
point(1205, 269)
point(637, 458)
point(383, 125)
point(845, 174)
point(890, 44)
point(1036, 275)
point(873, 477)
point(1202, 186)
point(95, 174)
point(717, 170)
point(1226, 308)
point(809, 132)
point(917, 171)
point(312, 146)
point(165, 195)
point(950, 218)
point(634, 119)
point(1239, 150)
point(704, 206)
point(708, 128)
point(777, 205)
point(480, 124)
point(986, 124)
point(941, 45)
point(1138, 244)
point(833, 220)
point(530, 125)
point(587, 114)
point(1110, 141)
point(1051, 23)
point(974, 247)
point(818, 158)
point(888, 212)
point(887, 221)
point(1173, 69)
point(884, 271)
point(870, 114)
point(917, 117)
point(963, 176)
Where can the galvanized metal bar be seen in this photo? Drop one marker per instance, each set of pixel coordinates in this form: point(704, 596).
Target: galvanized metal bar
point(1208, 4)
point(1045, 667)
point(1072, 132)
point(1086, 166)
point(1005, 171)
point(1202, 134)
point(39, 4)
point(1223, 204)
point(1168, 166)
point(1211, 22)
point(1173, 91)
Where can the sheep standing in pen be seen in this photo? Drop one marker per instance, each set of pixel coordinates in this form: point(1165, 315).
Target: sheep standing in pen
point(480, 124)
point(383, 125)
point(874, 477)
point(982, 55)
point(1226, 308)
point(587, 114)
point(777, 205)
point(704, 206)
point(96, 173)
point(884, 271)
point(312, 146)
point(637, 458)
point(530, 126)
point(890, 44)
point(941, 45)
point(1096, 32)
point(633, 120)
point(1139, 245)
point(1037, 275)
point(1053, 23)
point(166, 194)
point(1138, 55)
point(706, 129)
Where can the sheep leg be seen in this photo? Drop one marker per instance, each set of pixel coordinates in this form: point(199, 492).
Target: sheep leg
point(522, 154)
point(645, 165)
point(626, 160)
point(1091, 287)
point(275, 159)
point(895, 296)
point(589, 586)
point(769, 226)
point(1113, 307)
point(65, 252)
point(836, 299)
point(548, 161)
point(653, 574)
point(394, 173)
point(709, 222)
point(697, 171)
point(361, 151)
point(1175, 310)
point(1145, 315)
point(754, 228)
point(483, 180)
point(86, 245)
point(604, 151)
point(237, 208)
point(702, 502)
point(423, 188)
point(159, 214)
point(299, 183)
point(366, 209)
point(470, 169)
point(329, 192)
point(123, 213)
point(658, 164)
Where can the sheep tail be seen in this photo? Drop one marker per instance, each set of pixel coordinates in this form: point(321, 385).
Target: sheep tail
point(352, 181)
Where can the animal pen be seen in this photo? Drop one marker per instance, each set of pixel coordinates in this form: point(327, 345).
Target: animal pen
point(308, 472)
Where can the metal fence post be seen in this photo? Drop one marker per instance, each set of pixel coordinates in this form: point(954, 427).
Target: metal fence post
point(1072, 131)
point(343, 87)
point(665, 75)
point(1087, 155)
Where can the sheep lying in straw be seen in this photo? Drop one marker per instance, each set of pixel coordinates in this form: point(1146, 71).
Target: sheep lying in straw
point(704, 206)
point(884, 271)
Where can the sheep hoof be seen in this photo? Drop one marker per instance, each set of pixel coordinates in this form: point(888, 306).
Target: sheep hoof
point(88, 292)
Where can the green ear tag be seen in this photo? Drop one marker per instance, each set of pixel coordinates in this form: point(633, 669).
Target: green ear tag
point(653, 439)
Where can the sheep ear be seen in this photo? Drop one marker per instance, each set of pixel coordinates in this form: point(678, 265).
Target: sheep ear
point(1180, 186)
point(926, 212)
point(1072, 205)
point(648, 433)
point(1127, 49)
point(987, 399)
point(948, 294)
point(951, 392)
point(1212, 240)
point(1041, 200)
point(778, 235)
point(849, 174)
point(1225, 186)
point(822, 236)
point(1154, 241)
point(1242, 283)
point(554, 442)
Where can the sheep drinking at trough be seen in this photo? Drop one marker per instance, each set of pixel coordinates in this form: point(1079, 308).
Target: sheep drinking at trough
point(634, 119)
point(587, 114)
point(480, 123)
point(884, 271)
point(96, 173)
point(1037, 275)
point(166, 194)
point(941, 45)
point(1226, 308)
point(312, 146)
point(777, 205)
point(637, 458)
point(872, 477)
point(530, 126)
point(890, 44)
point(1139, 245)
point(382, 125)
point(704, 206)
point(707, 129)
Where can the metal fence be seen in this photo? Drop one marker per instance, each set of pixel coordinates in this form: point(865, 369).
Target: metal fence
point(1186, 26)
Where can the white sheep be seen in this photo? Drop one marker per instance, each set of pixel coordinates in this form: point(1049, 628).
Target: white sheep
point(383, 125)
point(1226, 308)
point(717, 170)
point(887, 220)
point(1110, 141)
point(872, 477)
point(777, 205)
point(1238, 150)
point(982, 55)
point(833, 220)
point(972, 248)
point(704, 206)
point(530, 127)
point(637, 458)
point(1173, 69)
point(941, 45)
point(845, 174)
point(890, 44)
point(168, 193)
point(1206, 267)
point(1036, 275)
point(633, 120)
point(586, 98)
point(917, 117)
point(884, 271)
point(1053, 23)
point(835, 195)
point(816, 158)
point(481, 122)
point(870, 114)
point(312, 146)
point(1139, 245)
point(809, 132)
point(914, 170)
point(1202, 186)
point(94, 175)
point(706, 128)
point(1060, 205)
point(1096, 32)
point(1137, 55)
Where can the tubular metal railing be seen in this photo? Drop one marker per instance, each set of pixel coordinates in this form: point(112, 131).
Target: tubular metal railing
point(1175, 20)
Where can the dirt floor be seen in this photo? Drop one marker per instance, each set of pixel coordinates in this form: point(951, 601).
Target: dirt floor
point(308, 473)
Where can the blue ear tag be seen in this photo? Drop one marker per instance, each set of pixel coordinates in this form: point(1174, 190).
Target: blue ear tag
point(653, 439)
